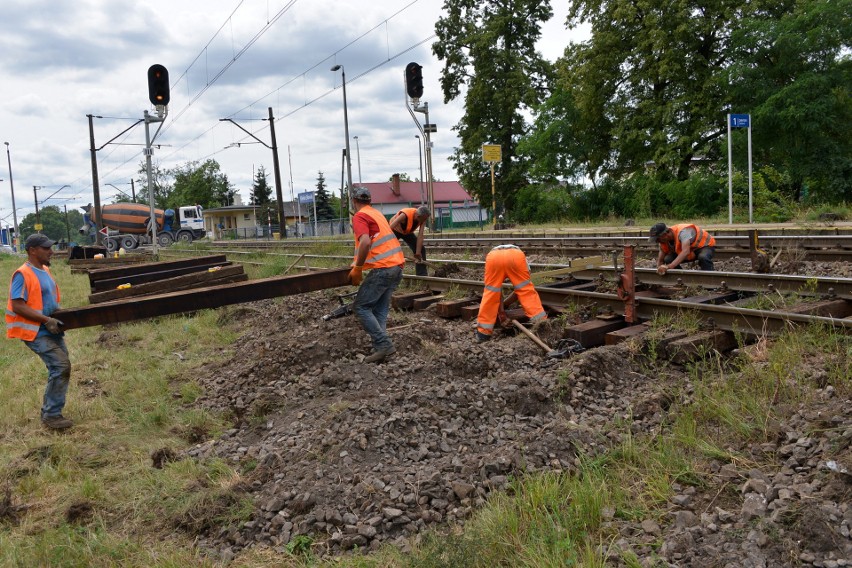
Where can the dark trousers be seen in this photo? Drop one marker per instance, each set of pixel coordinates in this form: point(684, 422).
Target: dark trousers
point(704, 256)
point(411, 240)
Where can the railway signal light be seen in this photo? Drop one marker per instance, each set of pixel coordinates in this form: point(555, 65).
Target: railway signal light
point(158, 85)
point(414, 80)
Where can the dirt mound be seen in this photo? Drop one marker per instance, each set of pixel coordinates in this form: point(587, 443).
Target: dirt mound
point(357, 455)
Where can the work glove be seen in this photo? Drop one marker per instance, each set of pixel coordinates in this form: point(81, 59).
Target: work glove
point(662, 269)
point(53, 325)
point(356, 275)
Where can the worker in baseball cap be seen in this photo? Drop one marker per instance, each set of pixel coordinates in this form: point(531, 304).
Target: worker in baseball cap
point(33, 298)
point(379, 251)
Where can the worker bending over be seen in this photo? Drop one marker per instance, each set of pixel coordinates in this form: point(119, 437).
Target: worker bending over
point(379, 251)
point(682, 243)
point(403, 224)
point(506, 261)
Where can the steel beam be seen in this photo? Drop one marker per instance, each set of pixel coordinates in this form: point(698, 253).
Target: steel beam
point(742, 281)
point(730, 318)
point(200, 298)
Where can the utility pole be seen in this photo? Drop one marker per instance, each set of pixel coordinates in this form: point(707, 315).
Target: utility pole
point(282, 221)
point(96, 214)
point(38, 217)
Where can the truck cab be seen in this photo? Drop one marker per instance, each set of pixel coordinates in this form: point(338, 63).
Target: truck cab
point(190, 217)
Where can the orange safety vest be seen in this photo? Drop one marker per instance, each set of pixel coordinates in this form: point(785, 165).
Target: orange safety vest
point(385, 250)
point(702, 239)
point(410, 215)
point(17, 326)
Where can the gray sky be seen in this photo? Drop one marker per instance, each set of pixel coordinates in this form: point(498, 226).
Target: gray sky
point(64, 59)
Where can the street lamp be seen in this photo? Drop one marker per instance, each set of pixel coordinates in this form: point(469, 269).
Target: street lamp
point(346, 128)
point(420, 153)
point(358, 153)
point(121, 192)
point(12, 187)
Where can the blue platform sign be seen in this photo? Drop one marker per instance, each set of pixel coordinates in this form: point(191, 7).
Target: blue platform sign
point(306, 197)
point(740, 120)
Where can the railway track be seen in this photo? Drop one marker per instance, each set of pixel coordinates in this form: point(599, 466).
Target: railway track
point(722, 291)
point(829, 248)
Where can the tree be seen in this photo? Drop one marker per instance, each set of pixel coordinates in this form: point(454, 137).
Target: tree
point(200, 184)
point(261, 192)
point(324, 209)
point(161, 180)
point(54, 224)
point(488, 46)
point(793, 73)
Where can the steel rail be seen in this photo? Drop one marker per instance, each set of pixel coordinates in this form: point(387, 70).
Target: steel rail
point(726, 317)
point(829, 286)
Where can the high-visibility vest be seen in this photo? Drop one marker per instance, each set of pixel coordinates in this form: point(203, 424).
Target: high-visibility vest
point(385, 250)
point(17, 326)
point(410, 220)
point(702, 239)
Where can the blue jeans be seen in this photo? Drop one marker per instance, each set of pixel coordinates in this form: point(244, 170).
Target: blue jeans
point(52, 350)
point(372, 303)
point(704, 256)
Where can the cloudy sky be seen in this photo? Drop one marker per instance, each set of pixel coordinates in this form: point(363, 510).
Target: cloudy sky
point(65, 59)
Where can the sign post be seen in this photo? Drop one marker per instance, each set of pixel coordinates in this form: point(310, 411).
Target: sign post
point(491, 154)
point(738, 121)
point(308, 197)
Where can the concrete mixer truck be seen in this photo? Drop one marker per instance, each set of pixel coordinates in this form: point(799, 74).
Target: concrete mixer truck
point(128, 224)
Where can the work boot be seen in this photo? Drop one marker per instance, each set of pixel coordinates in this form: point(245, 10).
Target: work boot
point(379, 356)
point(481, 337)
point(57, 422)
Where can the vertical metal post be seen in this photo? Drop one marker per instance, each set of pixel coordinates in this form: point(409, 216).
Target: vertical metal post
point(282, 220)
point(429, 182)
point(358, 153)
point(493, 196)
point(730, 177)
point(749, 173)
point(133, 190)
point(292, 196)
point(96, 215)
point(17, 238)
point(148, 153)
point(420, 154)
point(628, 283)
point(35, 198)
point(67, 226)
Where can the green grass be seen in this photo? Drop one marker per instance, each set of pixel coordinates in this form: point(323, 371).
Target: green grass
point(131, 394)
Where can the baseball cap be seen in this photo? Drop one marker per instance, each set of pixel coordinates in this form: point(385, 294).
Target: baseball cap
point(361, 194)
point(37, 240)
point(656, 231)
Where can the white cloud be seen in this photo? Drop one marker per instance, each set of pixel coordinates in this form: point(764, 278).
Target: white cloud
point(64, 60)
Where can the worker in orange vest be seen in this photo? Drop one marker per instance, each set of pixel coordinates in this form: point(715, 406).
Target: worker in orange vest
point(376, 249)
point(682, 243)
point(33, 297)
point(403, 224)
point(506, 261)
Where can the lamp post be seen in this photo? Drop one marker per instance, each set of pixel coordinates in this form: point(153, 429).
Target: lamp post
point(358, 154)
point(120, 191)
point(346, 128)
point(12, 187)
point(420, 153)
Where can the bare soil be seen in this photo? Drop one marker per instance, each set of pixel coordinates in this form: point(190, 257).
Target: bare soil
point(359, 455)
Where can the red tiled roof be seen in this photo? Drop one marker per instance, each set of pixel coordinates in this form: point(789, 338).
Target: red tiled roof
point(409, 191)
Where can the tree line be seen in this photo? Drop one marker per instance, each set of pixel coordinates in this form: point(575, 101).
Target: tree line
point(632, 121)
